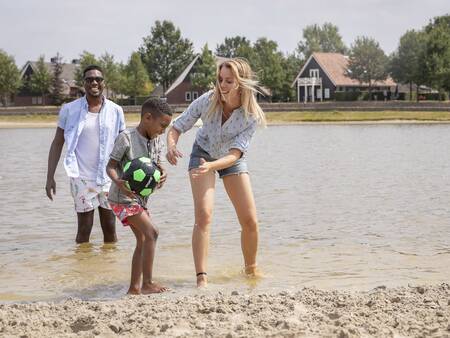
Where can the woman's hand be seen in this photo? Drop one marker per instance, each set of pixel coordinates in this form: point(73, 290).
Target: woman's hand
point(173, 154)
point(202, 169)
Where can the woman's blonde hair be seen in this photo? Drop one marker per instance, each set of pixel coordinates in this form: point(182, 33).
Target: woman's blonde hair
point(248, 86)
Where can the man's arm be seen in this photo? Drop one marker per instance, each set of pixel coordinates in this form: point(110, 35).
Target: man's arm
point(53, 159)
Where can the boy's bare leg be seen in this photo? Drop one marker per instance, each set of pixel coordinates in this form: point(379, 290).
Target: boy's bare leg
point(136, 263)
point(85, 222)
point(143, 223)
point(108, 224)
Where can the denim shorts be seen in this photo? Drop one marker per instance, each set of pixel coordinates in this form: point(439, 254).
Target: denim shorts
point(239, 167)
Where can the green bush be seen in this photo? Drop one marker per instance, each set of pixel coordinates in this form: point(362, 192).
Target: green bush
point(346, 96)
point(433, 96)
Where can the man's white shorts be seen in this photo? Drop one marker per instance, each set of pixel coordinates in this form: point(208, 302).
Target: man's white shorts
point(87, 195)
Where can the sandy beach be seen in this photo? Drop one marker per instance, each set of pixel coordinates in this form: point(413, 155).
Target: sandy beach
point(420, 311)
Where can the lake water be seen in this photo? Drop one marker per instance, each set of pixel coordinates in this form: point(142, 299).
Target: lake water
point(340, 207)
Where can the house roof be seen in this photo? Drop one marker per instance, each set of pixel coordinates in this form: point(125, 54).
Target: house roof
point(335, 66)
point(182, 76)
point(68, 71)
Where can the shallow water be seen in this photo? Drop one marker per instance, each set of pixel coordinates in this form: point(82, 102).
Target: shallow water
point(340, 206)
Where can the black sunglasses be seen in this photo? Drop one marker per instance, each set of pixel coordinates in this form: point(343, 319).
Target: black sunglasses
point(97, 79)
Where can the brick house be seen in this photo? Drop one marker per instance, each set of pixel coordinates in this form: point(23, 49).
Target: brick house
point(25, 97)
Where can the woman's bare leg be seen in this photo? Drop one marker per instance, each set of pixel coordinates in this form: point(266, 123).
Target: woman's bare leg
point(239, 190)
point(203, 188)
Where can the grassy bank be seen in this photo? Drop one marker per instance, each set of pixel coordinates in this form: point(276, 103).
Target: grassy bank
point(272, 117)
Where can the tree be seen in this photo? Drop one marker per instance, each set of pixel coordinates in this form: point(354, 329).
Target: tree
point(136, 81)
point(437, 52)
point(406, 63)
point(41, 79)
point(57, 87)
point(9, 77)
point(268, 65)
point(321, 39)
point(367, 62)
point(165, 53)
point(111, 73)
point(86, 59)
point(291, 64)
point(204, 73)
point(237, 46)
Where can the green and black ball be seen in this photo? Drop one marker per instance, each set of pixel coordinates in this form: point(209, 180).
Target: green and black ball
point(141, 176)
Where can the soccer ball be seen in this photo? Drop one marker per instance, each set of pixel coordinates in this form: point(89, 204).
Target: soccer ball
point(141, 176)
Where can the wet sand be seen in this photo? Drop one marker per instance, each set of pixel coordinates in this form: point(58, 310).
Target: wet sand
point(421, 311)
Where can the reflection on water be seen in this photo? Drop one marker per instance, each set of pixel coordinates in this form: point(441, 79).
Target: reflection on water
point(340, 206)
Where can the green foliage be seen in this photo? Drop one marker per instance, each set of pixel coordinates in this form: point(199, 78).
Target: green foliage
point(406, 63)
point(165, 53)
point(237, 46)
point(57, 87)
point(325, 38)
point(437, 52)
point(367, 61)
point(86, 59)
point(41, 79)
point(112, 74)
point(204, 73)
point(136, 81)
point(291, 64)
point(9, 77)
point(268, 65)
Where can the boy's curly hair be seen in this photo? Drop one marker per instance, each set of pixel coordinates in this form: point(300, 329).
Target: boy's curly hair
point(156, 107)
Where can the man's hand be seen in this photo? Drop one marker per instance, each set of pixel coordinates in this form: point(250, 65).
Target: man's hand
point(50, 187)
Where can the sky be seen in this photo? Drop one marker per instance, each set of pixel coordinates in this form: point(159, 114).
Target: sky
point(30, 28)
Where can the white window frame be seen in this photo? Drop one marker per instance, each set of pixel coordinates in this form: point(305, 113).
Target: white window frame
point(314, 73)
point(194, 96)
point(326, 93)
point(188, 96)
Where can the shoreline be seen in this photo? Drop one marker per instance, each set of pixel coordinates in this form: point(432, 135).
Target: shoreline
point(36, 125)
point(413, 311)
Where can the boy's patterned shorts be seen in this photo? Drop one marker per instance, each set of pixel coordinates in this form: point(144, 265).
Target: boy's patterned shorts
point(123, 211)
point(87, 195)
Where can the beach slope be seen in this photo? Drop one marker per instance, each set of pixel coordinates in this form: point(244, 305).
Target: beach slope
point(422, 311)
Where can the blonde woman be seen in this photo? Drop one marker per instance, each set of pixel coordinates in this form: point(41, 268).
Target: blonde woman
point(230, 115)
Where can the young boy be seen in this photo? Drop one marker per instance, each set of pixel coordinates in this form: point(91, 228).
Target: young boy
point(143, 140)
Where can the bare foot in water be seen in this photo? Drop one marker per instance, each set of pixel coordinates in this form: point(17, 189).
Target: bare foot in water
point(252, 271)
point(153, 287)
point(133, 291)
point(202, 281)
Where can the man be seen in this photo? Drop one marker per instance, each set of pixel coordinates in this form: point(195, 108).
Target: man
point(88, 126)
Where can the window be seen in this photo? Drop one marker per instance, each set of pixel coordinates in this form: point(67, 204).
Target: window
point(194, 95)
point(314, 73)
point(327, 93)
point(187, 96)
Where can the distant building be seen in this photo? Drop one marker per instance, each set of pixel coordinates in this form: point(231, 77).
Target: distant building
point(182, 91)
point(27, 98)
point(324, 74)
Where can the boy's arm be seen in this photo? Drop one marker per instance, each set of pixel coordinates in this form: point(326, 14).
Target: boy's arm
point(54, 155)
point(111, 170)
